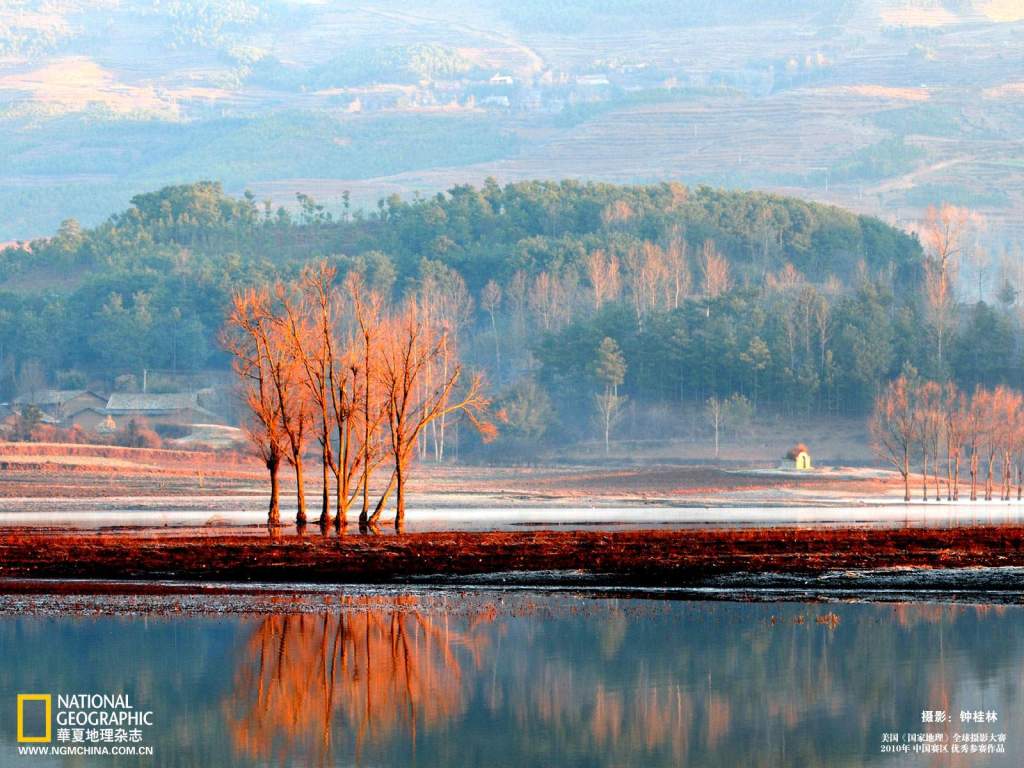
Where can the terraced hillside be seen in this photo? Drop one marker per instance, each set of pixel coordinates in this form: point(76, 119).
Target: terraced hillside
point(883, 106)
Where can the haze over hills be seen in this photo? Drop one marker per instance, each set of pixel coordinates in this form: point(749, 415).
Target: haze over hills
point(882, 107)
point(774, 305)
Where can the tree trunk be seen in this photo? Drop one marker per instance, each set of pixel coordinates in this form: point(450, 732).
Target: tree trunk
point(364, 514)
point(442, 420)
point(974, 475)
point(365, 480)
point(366, 434)
point(341, 481)
point(400, 497)
point(956, 478)
point(906, 476)
point(274, 513)
point(497, 349)
point(988, 478)
point(300, 493)
point(341, 493)
point(381, 503)
point(325, 494)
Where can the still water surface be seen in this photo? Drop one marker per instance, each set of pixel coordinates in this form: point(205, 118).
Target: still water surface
point(189, 516)
point(396, 678)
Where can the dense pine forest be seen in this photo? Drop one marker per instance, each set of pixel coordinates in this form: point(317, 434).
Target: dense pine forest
point(580, 302)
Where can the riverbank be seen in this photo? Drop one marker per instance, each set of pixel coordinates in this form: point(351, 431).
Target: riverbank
point(100, 485)
point(663, 558)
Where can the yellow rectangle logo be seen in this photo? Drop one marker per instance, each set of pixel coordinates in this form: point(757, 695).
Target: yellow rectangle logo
point(47, 699)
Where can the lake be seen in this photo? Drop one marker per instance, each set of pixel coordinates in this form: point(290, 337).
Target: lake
point(190, 515)
point(402, 676)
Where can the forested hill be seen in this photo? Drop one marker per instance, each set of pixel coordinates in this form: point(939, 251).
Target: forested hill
point(705, 292)
point(484, 233)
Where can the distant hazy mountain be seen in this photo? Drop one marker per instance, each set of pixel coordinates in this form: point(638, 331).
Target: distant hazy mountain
point(880, 106)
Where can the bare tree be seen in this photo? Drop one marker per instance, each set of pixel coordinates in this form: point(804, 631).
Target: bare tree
point(785, 280)
point(296, 412)
point(677, 286)
point(444, 301)
point(928, 423)
point(490, 300)
point(550, 300)
point(1009, 417)
point(247, 336)
point(311, 364)
point(412, 343)
point(980, 260)
point(31, 381)
point(544, 297)
point(647, 273)
point(604, 277)
point(893, 427)
point(974, 426)
point(766, 238)
point(308, 317)
point(334, 380)
point(518, 295)
point(938, 419)
point(956, 408)
point(713, 412)
point(617, 213)
point(1018, 449)
point(367, 307)
point(942, 234)
point(990, 406)
point(610, 371)
point(714, 270)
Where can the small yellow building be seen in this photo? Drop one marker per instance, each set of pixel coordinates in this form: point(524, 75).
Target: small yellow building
point(800, 457)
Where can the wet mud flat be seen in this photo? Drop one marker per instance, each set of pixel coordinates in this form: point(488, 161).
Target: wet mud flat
point(970, 558)
point(37, 471)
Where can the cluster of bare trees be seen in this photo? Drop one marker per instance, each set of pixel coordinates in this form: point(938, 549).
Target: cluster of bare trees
point(335, 366)
point(946, 431)
point(652, 276)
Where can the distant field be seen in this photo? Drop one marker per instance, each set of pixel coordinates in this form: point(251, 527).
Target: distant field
point(881, 106)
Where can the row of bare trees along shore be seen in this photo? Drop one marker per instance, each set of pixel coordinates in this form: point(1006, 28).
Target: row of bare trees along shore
point(334, 367)
point(949, 432)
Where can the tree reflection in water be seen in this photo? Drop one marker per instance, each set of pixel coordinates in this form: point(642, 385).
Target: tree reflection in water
point(375, 669)
point(508, 681)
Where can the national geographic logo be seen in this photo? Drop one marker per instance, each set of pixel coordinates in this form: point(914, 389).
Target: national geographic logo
point(81, 724)
point(35, 718)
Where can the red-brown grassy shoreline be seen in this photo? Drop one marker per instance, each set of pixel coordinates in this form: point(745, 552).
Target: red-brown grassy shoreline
point(652, 557)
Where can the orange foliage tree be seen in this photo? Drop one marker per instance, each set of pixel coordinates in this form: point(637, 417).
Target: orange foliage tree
point(413, 344)
point(249, 337)
point(942, 425)
point(892, 427)
point(314, 360)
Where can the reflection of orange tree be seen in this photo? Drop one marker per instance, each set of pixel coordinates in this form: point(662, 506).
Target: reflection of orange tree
point(376, 667)
point(365, 679)
point(802, 670)
point(642, 714)
point(652, 717)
